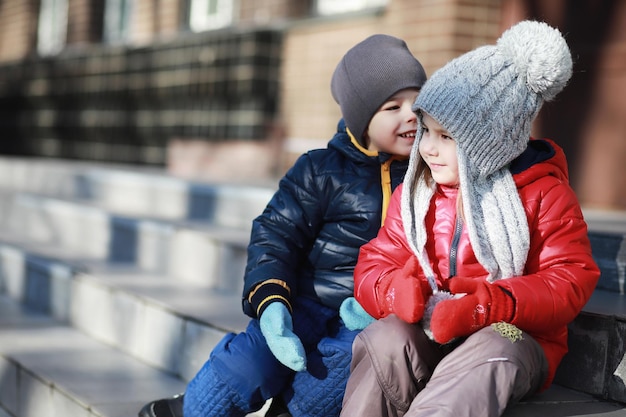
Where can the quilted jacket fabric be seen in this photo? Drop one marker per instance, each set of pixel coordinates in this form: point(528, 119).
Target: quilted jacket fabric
point(327, 205)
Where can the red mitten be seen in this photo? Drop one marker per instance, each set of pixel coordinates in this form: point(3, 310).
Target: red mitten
point(483, 304)
point(402, 292)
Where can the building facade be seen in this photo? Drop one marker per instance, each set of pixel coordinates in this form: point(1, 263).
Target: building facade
point(239, 88)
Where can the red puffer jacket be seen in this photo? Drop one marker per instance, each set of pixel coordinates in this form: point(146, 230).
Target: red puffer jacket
point(560, 272)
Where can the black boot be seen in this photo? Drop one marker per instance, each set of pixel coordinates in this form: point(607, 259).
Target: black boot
point(166, 407)
point(278, 408)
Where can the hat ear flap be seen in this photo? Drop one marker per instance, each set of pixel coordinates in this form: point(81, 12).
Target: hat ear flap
point(496, 222)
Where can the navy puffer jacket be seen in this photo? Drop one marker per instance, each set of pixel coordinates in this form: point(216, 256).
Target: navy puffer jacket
point(327, 206)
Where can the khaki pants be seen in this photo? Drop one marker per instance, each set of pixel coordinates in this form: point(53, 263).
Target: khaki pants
point(398, 371)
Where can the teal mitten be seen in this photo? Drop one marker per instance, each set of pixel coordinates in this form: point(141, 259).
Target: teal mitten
point(277, 328)
point(353, 315)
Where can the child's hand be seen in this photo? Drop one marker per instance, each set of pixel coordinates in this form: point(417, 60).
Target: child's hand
point(403, 293)
point(353, 314)
point(482, 305)
point(277, 328)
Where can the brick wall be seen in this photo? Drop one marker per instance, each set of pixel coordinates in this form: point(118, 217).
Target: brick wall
point(84, 22)
point(155, 20)
point(591, 116)
point(18, 24)
point(587, 119)
point(262, 12)
point(436, 31)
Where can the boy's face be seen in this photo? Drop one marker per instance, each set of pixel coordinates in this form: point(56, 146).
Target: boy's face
point(393, 127)
point(438, 149)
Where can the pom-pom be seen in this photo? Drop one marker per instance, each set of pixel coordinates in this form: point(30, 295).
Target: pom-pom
point(433, 300)
point(540, 55)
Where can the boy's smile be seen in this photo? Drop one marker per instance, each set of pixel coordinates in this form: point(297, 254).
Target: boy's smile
point(393, 127)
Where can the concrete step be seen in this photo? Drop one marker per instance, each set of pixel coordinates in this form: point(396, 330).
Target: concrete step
point(194, 251)
point(149, 268)
point(152, 317)
point(596, 361)
point(51, 369)
point(609, 251)
point(559, 401)
point(138, 191)
point(172, 327)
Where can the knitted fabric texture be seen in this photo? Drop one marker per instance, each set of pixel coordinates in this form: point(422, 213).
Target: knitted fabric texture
point(487, 100)
point(369, 73)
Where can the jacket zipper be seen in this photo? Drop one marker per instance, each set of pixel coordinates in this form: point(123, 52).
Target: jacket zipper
point(385, 175)
point(454, 246)
point(385, 182)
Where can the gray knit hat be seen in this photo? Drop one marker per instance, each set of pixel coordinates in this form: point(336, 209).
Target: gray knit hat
point(368, 74)
point(487, 100)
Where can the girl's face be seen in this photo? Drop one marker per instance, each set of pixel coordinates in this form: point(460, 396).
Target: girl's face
point(393, 127)
point(438, 150)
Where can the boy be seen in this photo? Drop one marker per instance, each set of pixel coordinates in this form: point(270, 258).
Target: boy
point(304, 246)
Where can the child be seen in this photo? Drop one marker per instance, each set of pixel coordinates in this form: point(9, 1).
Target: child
point(484, 257)
point(304, 246)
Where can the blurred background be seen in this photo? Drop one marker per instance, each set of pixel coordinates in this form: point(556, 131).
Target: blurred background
point(140, 138)
point(237, 89)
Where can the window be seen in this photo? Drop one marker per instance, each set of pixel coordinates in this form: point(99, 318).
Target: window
point(210, 14)
point(117, 20)
point(52, 29)
point(330, 7)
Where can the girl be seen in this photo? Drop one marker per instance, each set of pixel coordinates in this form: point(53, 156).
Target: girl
point(483, 258)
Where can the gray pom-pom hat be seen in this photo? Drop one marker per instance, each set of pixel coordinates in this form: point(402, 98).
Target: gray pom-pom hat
point(487, 100)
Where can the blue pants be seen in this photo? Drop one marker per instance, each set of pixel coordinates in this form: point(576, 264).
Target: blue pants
point(242, 373)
